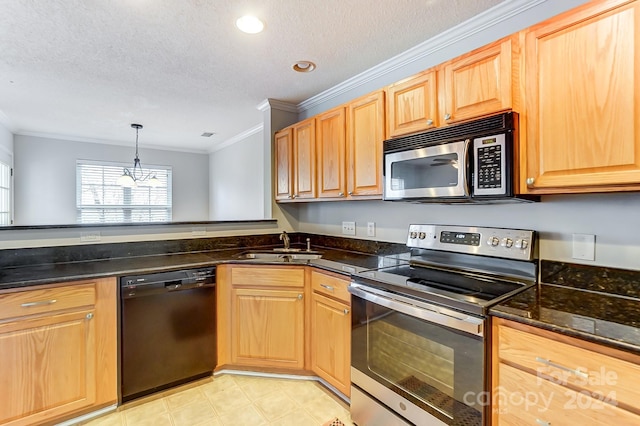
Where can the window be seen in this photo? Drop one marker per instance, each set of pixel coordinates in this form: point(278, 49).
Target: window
point(5, 194)
point(100, 199)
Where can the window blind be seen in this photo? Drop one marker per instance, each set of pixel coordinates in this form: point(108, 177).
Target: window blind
point(100, 199)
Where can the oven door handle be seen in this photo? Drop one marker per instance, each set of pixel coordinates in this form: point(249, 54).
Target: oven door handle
point(437, 315)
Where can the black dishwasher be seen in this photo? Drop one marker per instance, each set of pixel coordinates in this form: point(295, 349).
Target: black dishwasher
point(167, 330)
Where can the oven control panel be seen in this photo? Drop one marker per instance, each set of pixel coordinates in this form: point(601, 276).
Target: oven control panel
point(496, 242)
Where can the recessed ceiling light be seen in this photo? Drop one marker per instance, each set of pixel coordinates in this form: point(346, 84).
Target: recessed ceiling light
point(249, 24)
point(304, 66)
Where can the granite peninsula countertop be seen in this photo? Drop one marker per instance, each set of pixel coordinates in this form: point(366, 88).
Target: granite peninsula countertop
point(335, 260)
point(601, 305)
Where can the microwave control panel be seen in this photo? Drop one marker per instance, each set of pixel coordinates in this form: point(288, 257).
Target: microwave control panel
point(490, 165)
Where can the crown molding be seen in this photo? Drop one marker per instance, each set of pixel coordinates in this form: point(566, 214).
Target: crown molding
point(237, 138)
point(7, 123)
point(270, 103)
point(464, 30)
point(108, 142)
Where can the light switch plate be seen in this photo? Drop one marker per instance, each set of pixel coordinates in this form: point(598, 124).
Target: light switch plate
point(371, 229)
point(584, 246)
point(348, 228)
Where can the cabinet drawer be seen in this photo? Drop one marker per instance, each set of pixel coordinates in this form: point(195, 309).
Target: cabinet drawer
point(271, 276)
point(526, 399)
point(30, 302)
point(571, 365)
point(330, 286)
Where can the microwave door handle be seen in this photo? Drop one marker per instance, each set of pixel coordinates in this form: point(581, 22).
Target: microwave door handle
point(462, 324)
point(467, 168)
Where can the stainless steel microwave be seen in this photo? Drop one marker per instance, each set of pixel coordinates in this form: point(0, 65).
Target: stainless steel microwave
point(467, 162)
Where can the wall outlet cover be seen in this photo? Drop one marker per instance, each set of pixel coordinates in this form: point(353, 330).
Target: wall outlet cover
point(584, 246)
point(348, 228)
point(90, 236)
point(371, 229)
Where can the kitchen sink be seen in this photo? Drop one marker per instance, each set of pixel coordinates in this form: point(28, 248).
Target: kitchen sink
point(282, 255)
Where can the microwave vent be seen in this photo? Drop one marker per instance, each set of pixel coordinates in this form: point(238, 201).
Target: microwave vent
point(484, 126)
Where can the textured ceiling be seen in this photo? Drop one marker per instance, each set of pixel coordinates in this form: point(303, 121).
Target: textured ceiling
point(86, 69)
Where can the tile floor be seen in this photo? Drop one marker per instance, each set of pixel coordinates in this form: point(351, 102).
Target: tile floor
point(230, 400)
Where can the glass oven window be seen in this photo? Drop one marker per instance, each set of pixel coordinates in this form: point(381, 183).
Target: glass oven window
point(436, 368)
point(434, 171)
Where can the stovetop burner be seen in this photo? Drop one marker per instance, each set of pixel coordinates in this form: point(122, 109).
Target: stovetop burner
point(468, 269)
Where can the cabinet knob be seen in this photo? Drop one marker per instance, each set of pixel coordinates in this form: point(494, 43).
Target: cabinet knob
point(447, 116)
point(542, 422)
point(300, 297)
point(350, 192)
point(294, 195)
point(531, 181)
point(340, 194)
point(429, 122)
point(346, 312)
point(89, 315)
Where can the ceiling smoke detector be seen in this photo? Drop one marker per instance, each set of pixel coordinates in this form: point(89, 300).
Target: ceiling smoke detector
point(304, 66)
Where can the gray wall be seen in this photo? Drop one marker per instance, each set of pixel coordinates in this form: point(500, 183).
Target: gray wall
point(45, 178)
point(236, 172)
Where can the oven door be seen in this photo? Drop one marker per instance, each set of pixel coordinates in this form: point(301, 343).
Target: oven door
point(433, 172)
point(414, 359)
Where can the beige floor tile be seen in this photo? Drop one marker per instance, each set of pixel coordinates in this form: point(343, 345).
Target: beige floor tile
point(220, 383)
point(324, 409)
point(258, 388)
point(190, 414)
point(275, 405)
point(303, 391)
point(162, 419)
point(229, 401)
point(113, 419)
point(144, 411)
point(245, 417)
point(296, 418)
point(185, 397)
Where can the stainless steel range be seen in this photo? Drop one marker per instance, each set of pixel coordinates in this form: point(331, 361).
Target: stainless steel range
point(420, 338)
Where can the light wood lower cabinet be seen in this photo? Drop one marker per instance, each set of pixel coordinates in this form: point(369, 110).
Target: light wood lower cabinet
point(57, 351)
point(544, 378)
point(331, 330)
point(261, 316)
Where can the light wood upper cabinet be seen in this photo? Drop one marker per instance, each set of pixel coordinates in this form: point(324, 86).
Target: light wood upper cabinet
point(331, 152)
point(58, 351)
point(480, 82)
point(284, 164)
point(365, 135)
point(412, 104)
point(542, 377)
point(304, 159)
point(582, 94)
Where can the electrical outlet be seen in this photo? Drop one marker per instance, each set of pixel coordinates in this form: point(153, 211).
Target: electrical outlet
point(90, 236)
point(348, 228)
point(584, 246)
point(198, 231)
point(371, 229)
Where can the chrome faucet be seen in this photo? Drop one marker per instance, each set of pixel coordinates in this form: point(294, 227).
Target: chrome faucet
point(285, 238)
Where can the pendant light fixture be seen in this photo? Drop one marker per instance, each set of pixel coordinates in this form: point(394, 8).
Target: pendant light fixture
point(130, 178)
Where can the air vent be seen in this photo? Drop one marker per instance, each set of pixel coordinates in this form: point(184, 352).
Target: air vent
point(207, 134)
point(471, 129)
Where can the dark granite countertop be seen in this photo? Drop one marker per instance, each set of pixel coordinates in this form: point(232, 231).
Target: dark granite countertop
point(335, 260)
point(568, 304)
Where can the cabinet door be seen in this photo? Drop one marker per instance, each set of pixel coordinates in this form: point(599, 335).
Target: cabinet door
point(479, 83)
point(304, 159)
point(268, 328)
point(331, 150)
point(284, 164)
point(331, 341)
point(412, 104)
point(582, 97)
point(48, 367)
point(365, 127)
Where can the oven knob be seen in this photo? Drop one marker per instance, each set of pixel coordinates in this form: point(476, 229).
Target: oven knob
point(422, 235)
point(507, 242)
point(413, 235)
point(493, 241)
point(522, 244)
